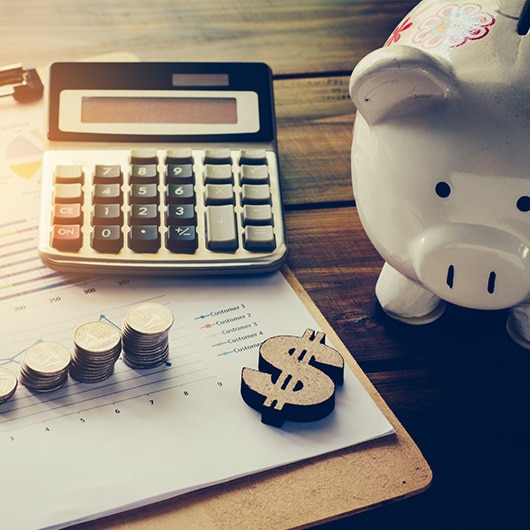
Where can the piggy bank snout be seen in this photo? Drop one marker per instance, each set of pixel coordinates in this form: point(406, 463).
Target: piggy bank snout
point(473, 266)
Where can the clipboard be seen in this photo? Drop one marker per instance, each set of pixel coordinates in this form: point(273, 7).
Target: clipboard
point(313, 491)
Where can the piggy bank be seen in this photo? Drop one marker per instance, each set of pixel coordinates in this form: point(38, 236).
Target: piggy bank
point(441, 160)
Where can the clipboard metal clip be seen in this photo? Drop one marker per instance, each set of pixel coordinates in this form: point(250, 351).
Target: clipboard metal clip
point(23, 85)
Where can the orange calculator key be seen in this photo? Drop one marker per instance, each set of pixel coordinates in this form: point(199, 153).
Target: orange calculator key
point(64, 214)
point(67, 237)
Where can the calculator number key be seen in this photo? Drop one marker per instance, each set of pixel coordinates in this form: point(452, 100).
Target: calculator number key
point(107, 214)
point(107, 193)
point(107, 238)
point(144, 173)
point(144, 193)
point(144, 214)
point(181, 214)
point(180, 193)
point(109, 174)
point(179, 174)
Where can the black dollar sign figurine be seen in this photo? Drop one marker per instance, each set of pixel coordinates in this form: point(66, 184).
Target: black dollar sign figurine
point(295, 380)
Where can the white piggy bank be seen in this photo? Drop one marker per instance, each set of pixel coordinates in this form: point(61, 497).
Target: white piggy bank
point(441, 160)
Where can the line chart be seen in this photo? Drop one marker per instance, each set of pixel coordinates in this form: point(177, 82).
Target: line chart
point(184, 367)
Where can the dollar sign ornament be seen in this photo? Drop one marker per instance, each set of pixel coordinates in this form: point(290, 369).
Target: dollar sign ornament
point(295, 380)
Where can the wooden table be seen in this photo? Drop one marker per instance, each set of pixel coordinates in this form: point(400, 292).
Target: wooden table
point(460, 385)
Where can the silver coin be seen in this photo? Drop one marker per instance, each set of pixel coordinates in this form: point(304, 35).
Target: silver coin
point(96, 337)
point(149, 318)
point(47, 358)
point(8, 384)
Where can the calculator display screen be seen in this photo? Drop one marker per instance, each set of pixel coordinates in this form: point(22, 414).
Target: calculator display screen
point(159, 110)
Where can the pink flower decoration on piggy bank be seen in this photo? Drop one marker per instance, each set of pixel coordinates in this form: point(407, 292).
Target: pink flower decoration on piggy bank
point(453, 26)
point(440, 160)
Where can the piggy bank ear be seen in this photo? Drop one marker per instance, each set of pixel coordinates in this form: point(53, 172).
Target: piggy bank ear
point(399, 80)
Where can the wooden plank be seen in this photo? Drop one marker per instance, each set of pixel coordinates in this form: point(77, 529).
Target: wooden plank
point(292, 36)
point(314, 121)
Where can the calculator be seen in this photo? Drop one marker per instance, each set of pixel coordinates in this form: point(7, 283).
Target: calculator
point(161, 168)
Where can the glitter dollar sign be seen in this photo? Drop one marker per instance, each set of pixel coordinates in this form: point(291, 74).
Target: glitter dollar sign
point(295, 380)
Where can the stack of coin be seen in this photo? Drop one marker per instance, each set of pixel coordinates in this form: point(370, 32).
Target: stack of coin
point(97, 346)
point(45, 366)
point(8, 384)
point(145, 335)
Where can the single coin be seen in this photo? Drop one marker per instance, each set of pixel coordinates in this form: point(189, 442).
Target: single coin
point(97, 337)
point(149, 318)
point(8, 384)
point(47, 358)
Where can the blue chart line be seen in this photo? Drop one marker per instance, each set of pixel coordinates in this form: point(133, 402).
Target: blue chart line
point(22, 271)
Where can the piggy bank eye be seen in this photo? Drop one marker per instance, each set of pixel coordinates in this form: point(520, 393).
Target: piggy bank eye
point(523, 203)
point(443, 189)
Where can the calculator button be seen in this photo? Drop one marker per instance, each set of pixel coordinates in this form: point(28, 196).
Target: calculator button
point(107, 214)
point(144, 156)
point(218, 174)
point(221, 231)
point(107, 193)
point(259, 238)
point(219, 194)
point(144, 238)
point(256, 214)
point(179, 174)
point(107, 238)
point(67, 237)
point(217, 156)
point(72, 173)
point(179, 156)
point(255, 194)
point(64, 214)
point(110, 174)
point(253, 156)
point(180, 193)
point(67, 193)
point(144, 214)
point(254, 174)
point(144, 173)
point(144, 193)
point(182, 239)
point(181, 214)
